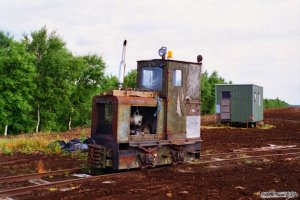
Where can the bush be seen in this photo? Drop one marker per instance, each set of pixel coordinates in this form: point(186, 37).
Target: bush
point(275, 103)
point(39, 143)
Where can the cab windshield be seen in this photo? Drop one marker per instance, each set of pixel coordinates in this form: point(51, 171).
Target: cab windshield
point(152, 78)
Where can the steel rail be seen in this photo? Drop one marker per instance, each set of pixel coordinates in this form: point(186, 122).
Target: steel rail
point(26, 177)
point(22, 160)
point(249, 157)
point(28, 189)
point(282, 119)
point(253, 151)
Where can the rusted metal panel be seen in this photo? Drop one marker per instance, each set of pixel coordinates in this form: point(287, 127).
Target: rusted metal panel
point(193, 81)
point(193, 108)
point(121, 115)
point(175, 114)
point(155, 155)
point(143, 137)
point(128, 160)
point(132, 93)
point(160, 121)
point(99, 156)
point(193, 118)
point(137, 101)
point(124, 108)
point(123, 129)
point(153, 64)
point(178, 94)
point(184, 100)
point(171, 61)
point(98, 115)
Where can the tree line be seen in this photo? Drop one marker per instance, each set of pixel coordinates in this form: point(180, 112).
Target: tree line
point(275, 103)
point(45, 87)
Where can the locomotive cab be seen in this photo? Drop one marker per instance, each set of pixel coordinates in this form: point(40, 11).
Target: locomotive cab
point(156, 124)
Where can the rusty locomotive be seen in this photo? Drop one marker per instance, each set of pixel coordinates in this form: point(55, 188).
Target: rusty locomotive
point(156, 124)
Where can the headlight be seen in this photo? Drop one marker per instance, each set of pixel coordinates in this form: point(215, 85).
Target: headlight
point(162, 52)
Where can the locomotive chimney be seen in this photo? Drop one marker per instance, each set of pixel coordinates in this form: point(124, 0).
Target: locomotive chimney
point(122, 66)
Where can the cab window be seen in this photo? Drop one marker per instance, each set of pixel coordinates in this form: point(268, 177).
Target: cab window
point(177, 77)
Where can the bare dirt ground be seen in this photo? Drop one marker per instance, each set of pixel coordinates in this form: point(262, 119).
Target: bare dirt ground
point(244, 179)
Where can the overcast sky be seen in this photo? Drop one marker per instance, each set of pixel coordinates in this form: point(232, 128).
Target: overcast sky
point(246, 41)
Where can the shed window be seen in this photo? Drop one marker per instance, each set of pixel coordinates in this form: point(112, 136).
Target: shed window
point(177, 77)
point(259, 99)
point(225, 94)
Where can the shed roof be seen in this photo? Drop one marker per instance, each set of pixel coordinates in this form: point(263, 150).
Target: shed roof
point(169, 60)
point(240, 85)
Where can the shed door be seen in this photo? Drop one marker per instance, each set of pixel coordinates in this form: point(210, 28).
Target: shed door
point(225, 105)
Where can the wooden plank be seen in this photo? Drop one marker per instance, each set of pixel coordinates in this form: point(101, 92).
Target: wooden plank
point(131, 93)
point(225, 115)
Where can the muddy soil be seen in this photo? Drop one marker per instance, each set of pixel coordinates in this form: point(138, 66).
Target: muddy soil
point(235, 180)
point(240, 181)
point(45, 163)
point(286, 131)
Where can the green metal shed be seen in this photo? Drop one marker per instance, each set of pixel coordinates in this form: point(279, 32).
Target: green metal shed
point(241, 103)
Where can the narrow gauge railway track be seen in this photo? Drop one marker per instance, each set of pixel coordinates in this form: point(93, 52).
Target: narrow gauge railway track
point(22, 160)
point(297, 154)
point(28, 189)
point(281, 119)
point(26, 177)
point(236, 152)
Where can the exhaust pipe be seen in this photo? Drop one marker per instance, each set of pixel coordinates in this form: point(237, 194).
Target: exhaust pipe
point(122, 66)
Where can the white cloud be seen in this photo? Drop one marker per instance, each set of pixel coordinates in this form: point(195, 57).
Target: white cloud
point(249, 41)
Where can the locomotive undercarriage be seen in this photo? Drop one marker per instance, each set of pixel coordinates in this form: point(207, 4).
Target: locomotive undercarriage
point(143, 154)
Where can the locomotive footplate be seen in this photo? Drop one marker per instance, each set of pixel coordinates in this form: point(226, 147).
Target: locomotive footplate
point(164, 142)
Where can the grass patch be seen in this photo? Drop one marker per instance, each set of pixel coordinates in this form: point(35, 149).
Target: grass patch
point(266, 126)
point(217, 126)
point(83, 157)
point(208, 151)
point(36, 143)
point(247, 161)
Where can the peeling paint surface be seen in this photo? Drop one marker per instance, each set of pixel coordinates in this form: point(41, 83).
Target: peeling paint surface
point(193, 126)
point(193, 81)
point(123, 123)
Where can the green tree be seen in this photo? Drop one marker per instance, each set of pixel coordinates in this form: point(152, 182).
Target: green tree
point(55, 80)
point(130, 79)
point(43, 83)
point(109, 83)
point(89, 82)
point(206, 94)
point(17, 82)
point(275, 103)
point(208, 91)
